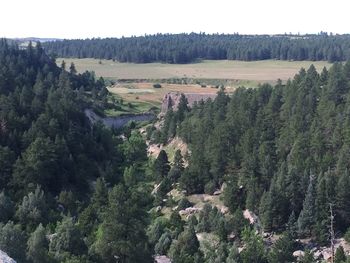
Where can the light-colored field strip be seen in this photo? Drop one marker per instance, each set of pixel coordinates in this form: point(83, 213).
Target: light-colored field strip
point(261, 71)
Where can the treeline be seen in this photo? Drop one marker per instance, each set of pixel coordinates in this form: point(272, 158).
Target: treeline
point(185, 48)
point(282, 152)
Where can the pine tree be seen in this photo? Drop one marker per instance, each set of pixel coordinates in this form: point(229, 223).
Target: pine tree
point(322, 211)
point(182, 108)
point(100, 195)
point(186, 248)
point(176, 223)
point(282, 250)
point(163, 244)
point(292, 226)
point(233, 195)
point(340, 256)
point(265, 211)
point(6, 207)
point(67, 241)
point(254, 251)
point(7, 159)
point(308, 257)
point(343, 201)
point(72, 69)
point(32, 210)
point(233, 255)
point(161, 165)
point(37, 246)
point(307, 217)
point(13, 241)
point(122, 233)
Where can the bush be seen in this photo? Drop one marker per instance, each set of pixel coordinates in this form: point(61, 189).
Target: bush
point(157, 86)
point(183, 204)
point(209, 188)
point(347, 235)
point(163, 245)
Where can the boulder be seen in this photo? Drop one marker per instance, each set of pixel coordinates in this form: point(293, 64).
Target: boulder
point(172, 99)
point(327, 254)
point(189, 211)
point(4, 258)
point(162, 259)
point(250, 216)
point(217, 192)
point(224, 210)
point(317, 254)
point(298, 254)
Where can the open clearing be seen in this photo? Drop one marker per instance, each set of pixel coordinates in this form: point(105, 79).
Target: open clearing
point(257, 71)
point(145, 92)
point(138, 94)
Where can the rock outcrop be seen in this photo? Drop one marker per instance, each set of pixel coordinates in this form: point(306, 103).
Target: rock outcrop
point(172, 99)
point(120, 121)
point(4, 258)
point(162, 259)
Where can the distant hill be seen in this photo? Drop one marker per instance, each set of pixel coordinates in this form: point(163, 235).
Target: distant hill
point(24, 42)
point(35, 39)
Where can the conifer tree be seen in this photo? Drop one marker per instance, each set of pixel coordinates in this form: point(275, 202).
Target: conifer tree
point(13, 241)
point(233, 255)
point(37, 246)
point(340, 256)
point(282, 250)
point(122, 232)
point(6, 207)
point(307, 217)
point(254, 251)
point(186, 248)
point(161, 165)
point(343, 201)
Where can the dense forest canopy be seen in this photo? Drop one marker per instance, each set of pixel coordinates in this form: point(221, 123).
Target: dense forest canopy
point(185, 48)
point(282, 151)
point(55, 168)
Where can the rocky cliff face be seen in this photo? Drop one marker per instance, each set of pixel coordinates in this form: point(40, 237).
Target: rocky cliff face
point(172, 99)
point(120, 121)
point(4, 258)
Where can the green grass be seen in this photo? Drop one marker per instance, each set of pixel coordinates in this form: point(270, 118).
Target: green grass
point(259, 71)
point(129, 107)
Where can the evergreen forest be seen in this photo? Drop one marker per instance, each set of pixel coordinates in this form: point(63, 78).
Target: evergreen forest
point(76, 192)
point(186, 48)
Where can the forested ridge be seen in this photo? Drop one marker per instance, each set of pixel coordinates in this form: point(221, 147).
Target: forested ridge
point(282, 152)
point(186, 48)
point(58, 174)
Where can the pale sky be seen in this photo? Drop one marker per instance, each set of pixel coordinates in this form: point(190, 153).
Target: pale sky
point(116, 18)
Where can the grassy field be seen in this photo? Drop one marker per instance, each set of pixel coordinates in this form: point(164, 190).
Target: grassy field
point(201, 77)
point(127, 106)
point(257, 71)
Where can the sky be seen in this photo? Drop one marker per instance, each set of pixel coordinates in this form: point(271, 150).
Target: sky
point(116, 18)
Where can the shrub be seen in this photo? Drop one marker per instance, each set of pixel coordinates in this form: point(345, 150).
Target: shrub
point(157, 86)
point(209, 188)
point(347, 235)
point(183, 204)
